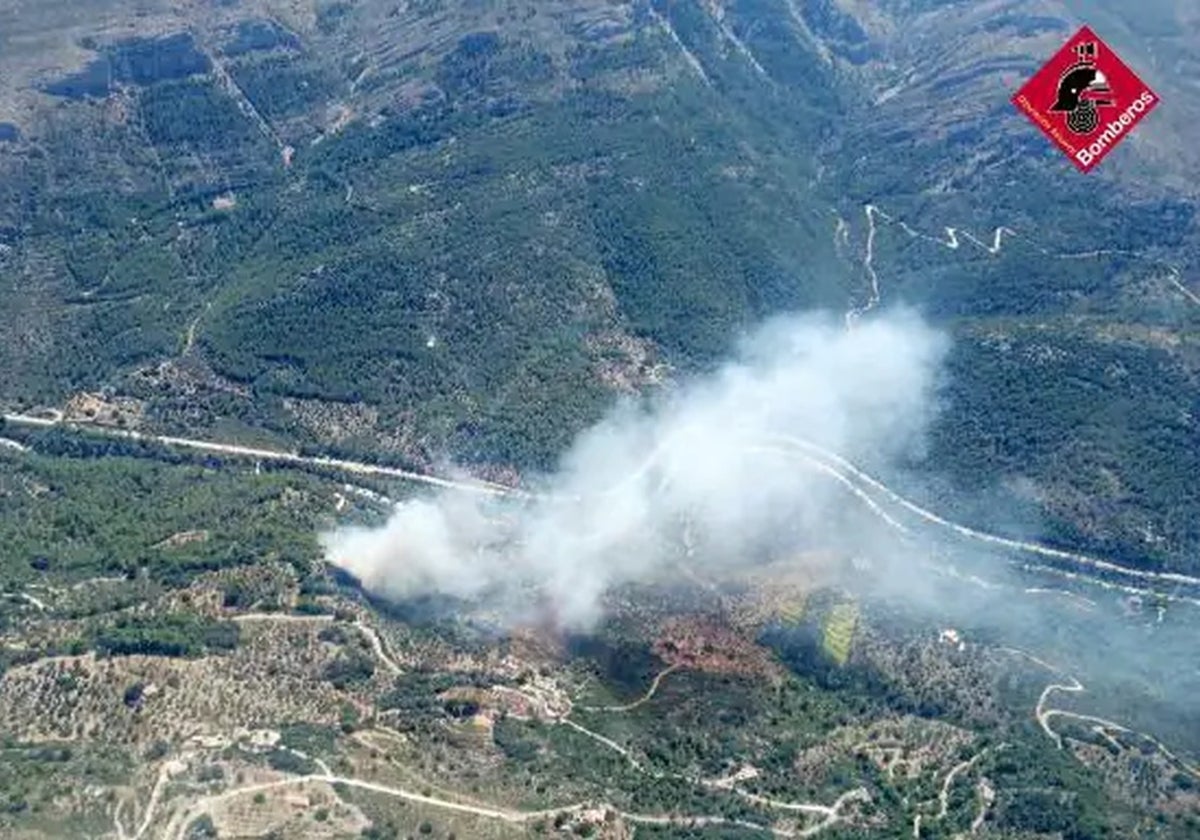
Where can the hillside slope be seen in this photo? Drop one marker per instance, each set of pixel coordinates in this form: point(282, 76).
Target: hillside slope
point(407, 229)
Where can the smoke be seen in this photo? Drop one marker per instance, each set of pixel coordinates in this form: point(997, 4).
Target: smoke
point(698, 473)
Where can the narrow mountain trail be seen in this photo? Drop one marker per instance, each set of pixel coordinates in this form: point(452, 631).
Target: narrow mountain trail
point(282, 618)
point(1043, 715)
point(179, 824)
point(952, 234)
point(830, 813)
point(32, 600)
point(177, 827)
point(943, 798)
point(612, 745)
point(1175, 280)
point(164, 776)
point(922, 817)
point(189, 338)
point(952, 239)
point(987, 797)
point(650, 692)
point(369, 633)
point(1101, 726)
point(376, 642)
point(244, 104)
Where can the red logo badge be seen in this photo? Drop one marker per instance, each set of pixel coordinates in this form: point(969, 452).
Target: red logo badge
point(1085, 99)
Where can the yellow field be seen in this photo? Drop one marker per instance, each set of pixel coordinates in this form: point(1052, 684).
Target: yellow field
point(792, 611)
point(839, 630)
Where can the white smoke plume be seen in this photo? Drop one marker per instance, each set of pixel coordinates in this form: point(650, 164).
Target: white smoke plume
point(701, 459)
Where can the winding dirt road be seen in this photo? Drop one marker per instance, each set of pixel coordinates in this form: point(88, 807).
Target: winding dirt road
point(831, 813)
point(951, 242)
point(1043, 715)
point(376, 642)
point(179, 823)
point(177, 828)
point(645, 698)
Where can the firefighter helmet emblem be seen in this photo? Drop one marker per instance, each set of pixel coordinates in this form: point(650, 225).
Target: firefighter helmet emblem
point(1081, 91)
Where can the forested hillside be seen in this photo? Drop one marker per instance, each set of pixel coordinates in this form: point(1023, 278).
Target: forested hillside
point(416, 230)
point(239, 240)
